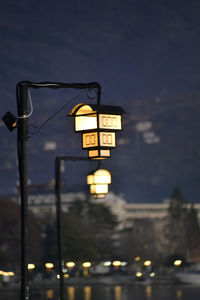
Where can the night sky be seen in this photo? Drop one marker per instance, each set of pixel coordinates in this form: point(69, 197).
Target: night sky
point(145, 55)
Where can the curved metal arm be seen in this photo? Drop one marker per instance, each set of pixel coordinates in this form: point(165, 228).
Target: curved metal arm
point(58, 85)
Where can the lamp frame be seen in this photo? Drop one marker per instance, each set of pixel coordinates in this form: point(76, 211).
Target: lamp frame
point(96, 111)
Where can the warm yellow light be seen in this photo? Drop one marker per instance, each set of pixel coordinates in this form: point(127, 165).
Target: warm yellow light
point(98, 139)
point(99, 182)
point(147, 263)
point(70, 264)
point(85, 117)
point(108, 121)
point(90, 140)
point(1, 272)
point(116, 263)
point(50, 294)
point(107, 263)
point(31, 266)
point(137, 258)
point(98, 124)
point(99, 154)
point(5, 274)
point(49, 265)
point(66, 275)
point(85, 122)
point(107, 139)
point(98, 188)
point(58, 276)
point(86, 264)
point(177, 262)
point(11, 274)
point(101, 176)
point(99, 196)
point(138, 274)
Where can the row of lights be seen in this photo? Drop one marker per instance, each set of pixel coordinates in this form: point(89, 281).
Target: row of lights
point(147, 263)
point(6, 274)
point(86, 264)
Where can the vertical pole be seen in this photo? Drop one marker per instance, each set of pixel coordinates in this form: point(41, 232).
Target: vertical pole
point(58, 219)
point(23, 166)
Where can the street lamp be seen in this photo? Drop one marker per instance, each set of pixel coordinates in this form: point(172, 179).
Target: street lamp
point(98, 124)
point(99, 182)
point(70, 264)
point(177, 262)
point(49, 266)
point(147, 263)
point(21, 123)
point(31, 266)
point(107, 120)
point(86, 265)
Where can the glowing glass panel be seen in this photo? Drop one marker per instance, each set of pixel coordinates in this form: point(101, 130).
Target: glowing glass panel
point(99, 196)
point(98, 188)
point(107, 121)
point(99, 154)
point(90, 139)
point(87, 122)
point(107, 139)
point(101, 176)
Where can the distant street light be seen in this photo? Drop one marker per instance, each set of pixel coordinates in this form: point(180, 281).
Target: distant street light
point(70, 264)
point(177, 262)
point(86, 265)
point(117, 263)
point(99, 182)
point(49, 266)
point(31, 266)
point(147, 263)
point(137, 258)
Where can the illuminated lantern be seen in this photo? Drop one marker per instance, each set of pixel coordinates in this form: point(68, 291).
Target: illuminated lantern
point(98, 124)
point(99, 182)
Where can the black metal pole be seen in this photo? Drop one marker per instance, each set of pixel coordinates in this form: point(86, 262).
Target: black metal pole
point(22, 137)
point(58, 184)
point(58, 187)
point(22, 164)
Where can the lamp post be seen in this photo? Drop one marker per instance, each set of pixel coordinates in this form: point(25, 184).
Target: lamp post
point(58, 186)
point(22, 139)
point(98, 139)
